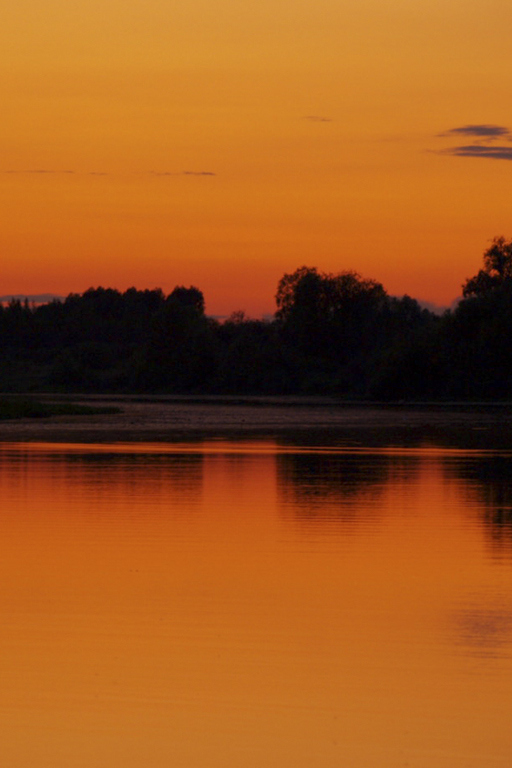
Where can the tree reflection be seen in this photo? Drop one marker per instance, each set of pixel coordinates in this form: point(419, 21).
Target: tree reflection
point(483, 630)
point(488, 479)
point(344, 487)
point(72, 474)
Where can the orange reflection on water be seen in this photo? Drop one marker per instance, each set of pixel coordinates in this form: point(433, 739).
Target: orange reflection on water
point(203, 605)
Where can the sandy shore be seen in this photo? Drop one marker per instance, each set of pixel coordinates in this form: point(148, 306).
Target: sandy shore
point(314, 420)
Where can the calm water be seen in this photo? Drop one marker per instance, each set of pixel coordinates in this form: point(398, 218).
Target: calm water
point(238, 605)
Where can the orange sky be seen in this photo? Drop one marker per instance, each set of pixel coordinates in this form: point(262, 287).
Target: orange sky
point(198, 155)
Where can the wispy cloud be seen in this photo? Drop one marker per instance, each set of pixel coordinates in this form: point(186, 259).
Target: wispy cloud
point(318, 119)
point(183, 173)
point(485, 137)
point(41, 171)
point(479, 131)
point(492, 152)
point(50, 172)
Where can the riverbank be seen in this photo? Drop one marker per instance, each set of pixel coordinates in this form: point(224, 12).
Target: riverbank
point(16, 407)
point(320, 420)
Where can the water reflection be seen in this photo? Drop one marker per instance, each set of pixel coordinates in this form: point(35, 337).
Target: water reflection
point(145, 479)
point(486, 481)
point(320, 486)
point(484, 631)
point(326, 490)
point(254, 603)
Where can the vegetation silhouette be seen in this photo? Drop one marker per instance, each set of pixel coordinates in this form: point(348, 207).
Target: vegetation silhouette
point(488, 481)
point(497, 269)
point(308, 481)
point(337, 334)
point(341, 489)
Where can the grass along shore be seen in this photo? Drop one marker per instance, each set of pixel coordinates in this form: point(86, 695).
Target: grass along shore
point(27, 407)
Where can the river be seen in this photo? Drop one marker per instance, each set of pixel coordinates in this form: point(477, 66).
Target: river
point(225, 603)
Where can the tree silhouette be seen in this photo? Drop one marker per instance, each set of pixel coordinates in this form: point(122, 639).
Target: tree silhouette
point(497, 269)
point(337, 334)
point(188, 297)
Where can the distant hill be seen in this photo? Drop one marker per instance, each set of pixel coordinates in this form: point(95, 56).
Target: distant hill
point(36, 298)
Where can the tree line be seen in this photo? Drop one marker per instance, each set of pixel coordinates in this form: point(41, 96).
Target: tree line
point(337, 334)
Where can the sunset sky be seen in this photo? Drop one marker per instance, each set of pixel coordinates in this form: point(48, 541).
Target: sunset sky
point(223, 143)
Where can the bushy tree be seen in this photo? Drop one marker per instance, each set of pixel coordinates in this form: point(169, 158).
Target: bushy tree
point(497, 269)
point(330, 321)
point(179, 351)
point(188, 297)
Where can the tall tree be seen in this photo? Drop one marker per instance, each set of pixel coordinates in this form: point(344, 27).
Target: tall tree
point(497, 269)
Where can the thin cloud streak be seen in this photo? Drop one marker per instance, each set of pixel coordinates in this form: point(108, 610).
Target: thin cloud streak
point(183, 173)
point(485, 136)
point(41, 171)
point(48, 172)
point(484, 131)
point(478, 150)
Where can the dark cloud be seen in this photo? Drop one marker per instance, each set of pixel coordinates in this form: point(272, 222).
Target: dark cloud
point(485, 137)
point(318, 119)
point(479, 131)
point(492, 152)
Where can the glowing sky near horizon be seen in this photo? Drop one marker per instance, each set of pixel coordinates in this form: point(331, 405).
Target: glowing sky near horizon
point(224, 143)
